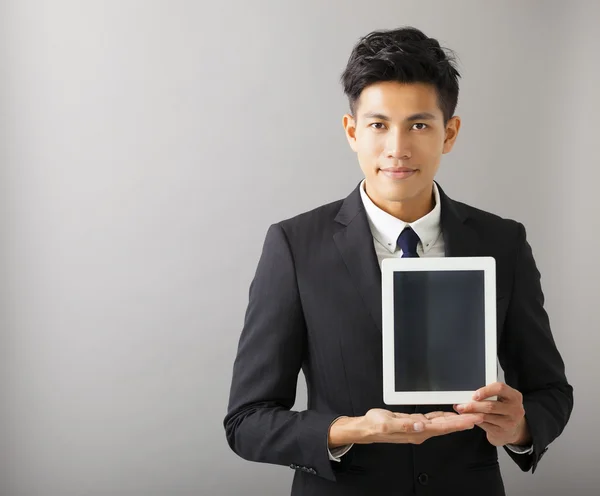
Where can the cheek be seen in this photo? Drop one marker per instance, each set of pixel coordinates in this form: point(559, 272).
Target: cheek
point(430, 148)
point(370, 145)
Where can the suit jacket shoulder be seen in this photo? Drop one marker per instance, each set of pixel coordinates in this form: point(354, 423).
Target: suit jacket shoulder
point(312, 225)
point(492, 229)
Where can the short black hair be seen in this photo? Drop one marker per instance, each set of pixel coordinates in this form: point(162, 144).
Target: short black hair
point(405, 55)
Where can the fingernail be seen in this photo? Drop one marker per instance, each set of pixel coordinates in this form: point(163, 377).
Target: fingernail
point(476, 396)
point(460, 408)
point(418, 426)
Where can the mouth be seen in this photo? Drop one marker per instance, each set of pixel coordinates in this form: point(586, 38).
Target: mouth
point(399, 172)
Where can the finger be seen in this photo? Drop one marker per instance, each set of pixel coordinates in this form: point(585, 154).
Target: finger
point(403, 426)
point(487, 407)
point(446, 425)
point(474, 418)
point(419, 417)
point(504, 422)
point(432, 415)
point(500, 389)
point(449, 414)
point(491, 428)
point(487, 391)
point(415, 417)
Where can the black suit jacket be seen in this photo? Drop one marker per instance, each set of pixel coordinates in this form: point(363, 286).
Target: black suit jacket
point(315, 305)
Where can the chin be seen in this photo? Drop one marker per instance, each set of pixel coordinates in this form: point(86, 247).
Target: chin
point(399, 198)
point(399, 192)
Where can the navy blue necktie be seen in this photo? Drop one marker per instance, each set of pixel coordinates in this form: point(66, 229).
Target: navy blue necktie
point(407, 242)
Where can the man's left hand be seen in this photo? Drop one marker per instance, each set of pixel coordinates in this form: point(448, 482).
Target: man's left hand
point(504, 419)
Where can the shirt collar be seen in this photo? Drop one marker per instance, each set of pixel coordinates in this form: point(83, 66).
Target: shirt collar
point(386, 228)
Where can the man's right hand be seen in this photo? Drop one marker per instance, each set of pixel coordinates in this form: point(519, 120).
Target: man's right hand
point(382, 426)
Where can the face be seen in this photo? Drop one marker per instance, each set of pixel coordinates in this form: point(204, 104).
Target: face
point(399, 136)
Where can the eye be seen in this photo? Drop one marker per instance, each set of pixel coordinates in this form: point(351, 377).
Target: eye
point(420, 124)
point(377, 125)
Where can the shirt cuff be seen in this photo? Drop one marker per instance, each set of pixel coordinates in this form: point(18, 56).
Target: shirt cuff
point(520, 450)
point(335, 454)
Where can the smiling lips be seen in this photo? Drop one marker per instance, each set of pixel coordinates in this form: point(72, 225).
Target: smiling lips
point(399, 172)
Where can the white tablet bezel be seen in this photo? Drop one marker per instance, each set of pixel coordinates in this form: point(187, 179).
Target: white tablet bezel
point(391, 265)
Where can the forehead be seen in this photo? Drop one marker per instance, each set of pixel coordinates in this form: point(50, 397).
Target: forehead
point(398, 99)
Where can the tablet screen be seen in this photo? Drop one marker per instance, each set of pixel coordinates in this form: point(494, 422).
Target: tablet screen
point(439, 330)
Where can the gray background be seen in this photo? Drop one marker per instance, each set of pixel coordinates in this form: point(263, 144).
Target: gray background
point(146, 147)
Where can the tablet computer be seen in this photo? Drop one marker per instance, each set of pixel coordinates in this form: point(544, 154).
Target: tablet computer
point(439, 329)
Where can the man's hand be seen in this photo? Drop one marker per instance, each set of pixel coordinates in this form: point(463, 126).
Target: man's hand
point(382, 426)
point(503, 420)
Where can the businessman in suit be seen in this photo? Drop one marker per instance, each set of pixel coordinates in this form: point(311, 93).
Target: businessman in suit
point(315, 305)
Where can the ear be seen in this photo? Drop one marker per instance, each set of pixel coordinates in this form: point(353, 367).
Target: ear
point(349, 124)
point(452, 129)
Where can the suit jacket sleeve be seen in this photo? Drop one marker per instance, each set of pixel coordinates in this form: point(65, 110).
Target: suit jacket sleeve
point(530, 359)
point(259, 423)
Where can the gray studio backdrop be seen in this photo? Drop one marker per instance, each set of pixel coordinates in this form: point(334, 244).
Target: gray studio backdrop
point(146, 147)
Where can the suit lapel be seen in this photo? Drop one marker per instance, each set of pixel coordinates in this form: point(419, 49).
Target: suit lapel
point(459, 239)
point(355, 244)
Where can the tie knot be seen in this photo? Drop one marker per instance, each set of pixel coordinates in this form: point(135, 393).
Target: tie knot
point(407, 242)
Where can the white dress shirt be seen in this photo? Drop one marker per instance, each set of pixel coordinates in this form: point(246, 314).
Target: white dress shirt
point(386, 229)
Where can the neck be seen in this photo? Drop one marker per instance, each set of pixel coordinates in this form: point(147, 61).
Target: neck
point(408, 210)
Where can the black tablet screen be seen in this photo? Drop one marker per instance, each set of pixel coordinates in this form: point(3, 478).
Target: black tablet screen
point(439, 330)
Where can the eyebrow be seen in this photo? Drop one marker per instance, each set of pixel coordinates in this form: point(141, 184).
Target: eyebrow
point(421, 116)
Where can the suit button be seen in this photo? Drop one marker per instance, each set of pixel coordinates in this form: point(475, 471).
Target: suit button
point(423, 479)
point(292, 466)
point(312, 471)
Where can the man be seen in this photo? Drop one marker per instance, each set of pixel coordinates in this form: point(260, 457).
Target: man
point(315, 305)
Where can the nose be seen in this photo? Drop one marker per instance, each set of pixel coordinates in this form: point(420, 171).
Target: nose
point(397, 146)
